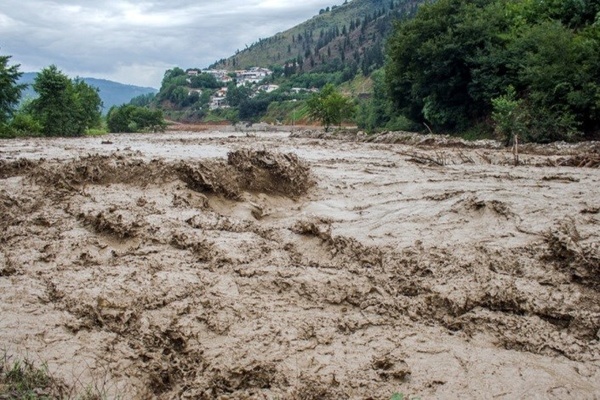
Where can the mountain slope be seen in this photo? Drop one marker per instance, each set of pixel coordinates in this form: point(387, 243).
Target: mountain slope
point(111, 93)
point(352, 34)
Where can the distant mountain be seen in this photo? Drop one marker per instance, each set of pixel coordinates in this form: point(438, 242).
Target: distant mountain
point(349, 35)
point(111, 93)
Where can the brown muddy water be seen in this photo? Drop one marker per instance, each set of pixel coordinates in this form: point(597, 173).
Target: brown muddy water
point(263, 266)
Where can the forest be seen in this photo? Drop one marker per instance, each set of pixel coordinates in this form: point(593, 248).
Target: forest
point(526, 67)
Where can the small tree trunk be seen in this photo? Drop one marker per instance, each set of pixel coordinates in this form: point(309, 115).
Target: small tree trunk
point(516, 149)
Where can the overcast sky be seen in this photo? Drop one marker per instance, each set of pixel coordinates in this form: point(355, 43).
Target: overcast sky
point(135, 42)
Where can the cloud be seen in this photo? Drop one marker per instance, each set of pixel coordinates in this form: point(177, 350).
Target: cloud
point(136, 41)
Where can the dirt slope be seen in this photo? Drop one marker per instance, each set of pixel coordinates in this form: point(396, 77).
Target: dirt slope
point(221, 265)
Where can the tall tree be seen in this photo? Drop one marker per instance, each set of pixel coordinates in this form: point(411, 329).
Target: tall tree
point(89, 104)
point(430, 61)
point(64, 107)
point(10, 90)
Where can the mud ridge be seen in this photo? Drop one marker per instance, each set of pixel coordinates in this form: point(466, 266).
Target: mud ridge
point(424, 284)
point(18, 167)
point(245, 170)
point(580, 260)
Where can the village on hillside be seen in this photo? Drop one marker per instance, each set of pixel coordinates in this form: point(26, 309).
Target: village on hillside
point(253, 77)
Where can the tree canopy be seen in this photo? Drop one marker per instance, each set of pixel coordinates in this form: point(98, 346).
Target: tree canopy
point(64, 107)
point(131, 118)
point(10, 90)
point(330, 107)
point(447, 65)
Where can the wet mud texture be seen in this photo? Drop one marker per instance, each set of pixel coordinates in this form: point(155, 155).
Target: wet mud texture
point(315, 270)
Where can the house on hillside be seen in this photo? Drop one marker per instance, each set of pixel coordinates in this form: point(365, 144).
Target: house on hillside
point(253, 75)
point(219, 74)
point(268, 88)
point(219, 100)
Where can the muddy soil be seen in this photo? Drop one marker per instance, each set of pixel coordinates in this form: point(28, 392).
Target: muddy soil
point(238, 265)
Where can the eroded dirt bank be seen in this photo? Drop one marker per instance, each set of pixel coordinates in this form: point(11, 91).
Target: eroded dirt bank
point(225, 265)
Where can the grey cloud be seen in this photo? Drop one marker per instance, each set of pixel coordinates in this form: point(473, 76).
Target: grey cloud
point(135, 41)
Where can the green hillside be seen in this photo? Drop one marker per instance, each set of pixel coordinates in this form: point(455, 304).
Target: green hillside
point(342, 45)
point(347, 36)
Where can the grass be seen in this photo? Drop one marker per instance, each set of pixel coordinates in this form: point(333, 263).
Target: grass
point(96, 132)
point(21, 378)
point(400, 396)
point(287, 112)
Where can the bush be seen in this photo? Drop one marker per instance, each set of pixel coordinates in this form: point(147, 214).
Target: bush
point(507, 116)
point(329, 107)
point(401, 123)
point(25, 124)
point(129, 118)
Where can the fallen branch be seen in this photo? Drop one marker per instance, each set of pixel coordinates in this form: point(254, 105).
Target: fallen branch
point(421, 159)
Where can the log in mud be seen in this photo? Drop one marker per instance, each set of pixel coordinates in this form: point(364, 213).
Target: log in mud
point(226, 265)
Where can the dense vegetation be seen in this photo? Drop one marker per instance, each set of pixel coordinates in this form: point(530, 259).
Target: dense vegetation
point(527, 67)
point(63, 107)
point(485, 67)
point(132, 118)
point(111, 93)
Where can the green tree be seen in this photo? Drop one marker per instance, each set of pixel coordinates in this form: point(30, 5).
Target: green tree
point(130, 118)
point(10, 90)
point(88, 105)
point(205, 81)
point(431, 58)
point(64, 107)
point(171, 75)
point(329, 107)
point(237, 94)
point(507, 116)
point(54, 106)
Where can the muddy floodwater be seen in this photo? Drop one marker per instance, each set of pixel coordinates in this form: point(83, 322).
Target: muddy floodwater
point(233, 265)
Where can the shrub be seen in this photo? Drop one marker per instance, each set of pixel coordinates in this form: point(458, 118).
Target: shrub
point(130, 118)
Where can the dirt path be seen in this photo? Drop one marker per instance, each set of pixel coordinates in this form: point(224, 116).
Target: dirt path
point(232, 265)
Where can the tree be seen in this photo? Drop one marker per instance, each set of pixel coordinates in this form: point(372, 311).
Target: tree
point(430, 61)
point(88, 103)
point(10, 91)
point(205, 81)
point(130, 118)
point(507, 116)
point(329, 107)
point(64, 107)
point(237, 94)
point(454, 64)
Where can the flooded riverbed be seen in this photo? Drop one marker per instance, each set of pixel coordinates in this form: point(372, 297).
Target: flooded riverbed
point(261, 266)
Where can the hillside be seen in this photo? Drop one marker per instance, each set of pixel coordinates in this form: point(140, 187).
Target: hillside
point(111, 93)
point(351, 35)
